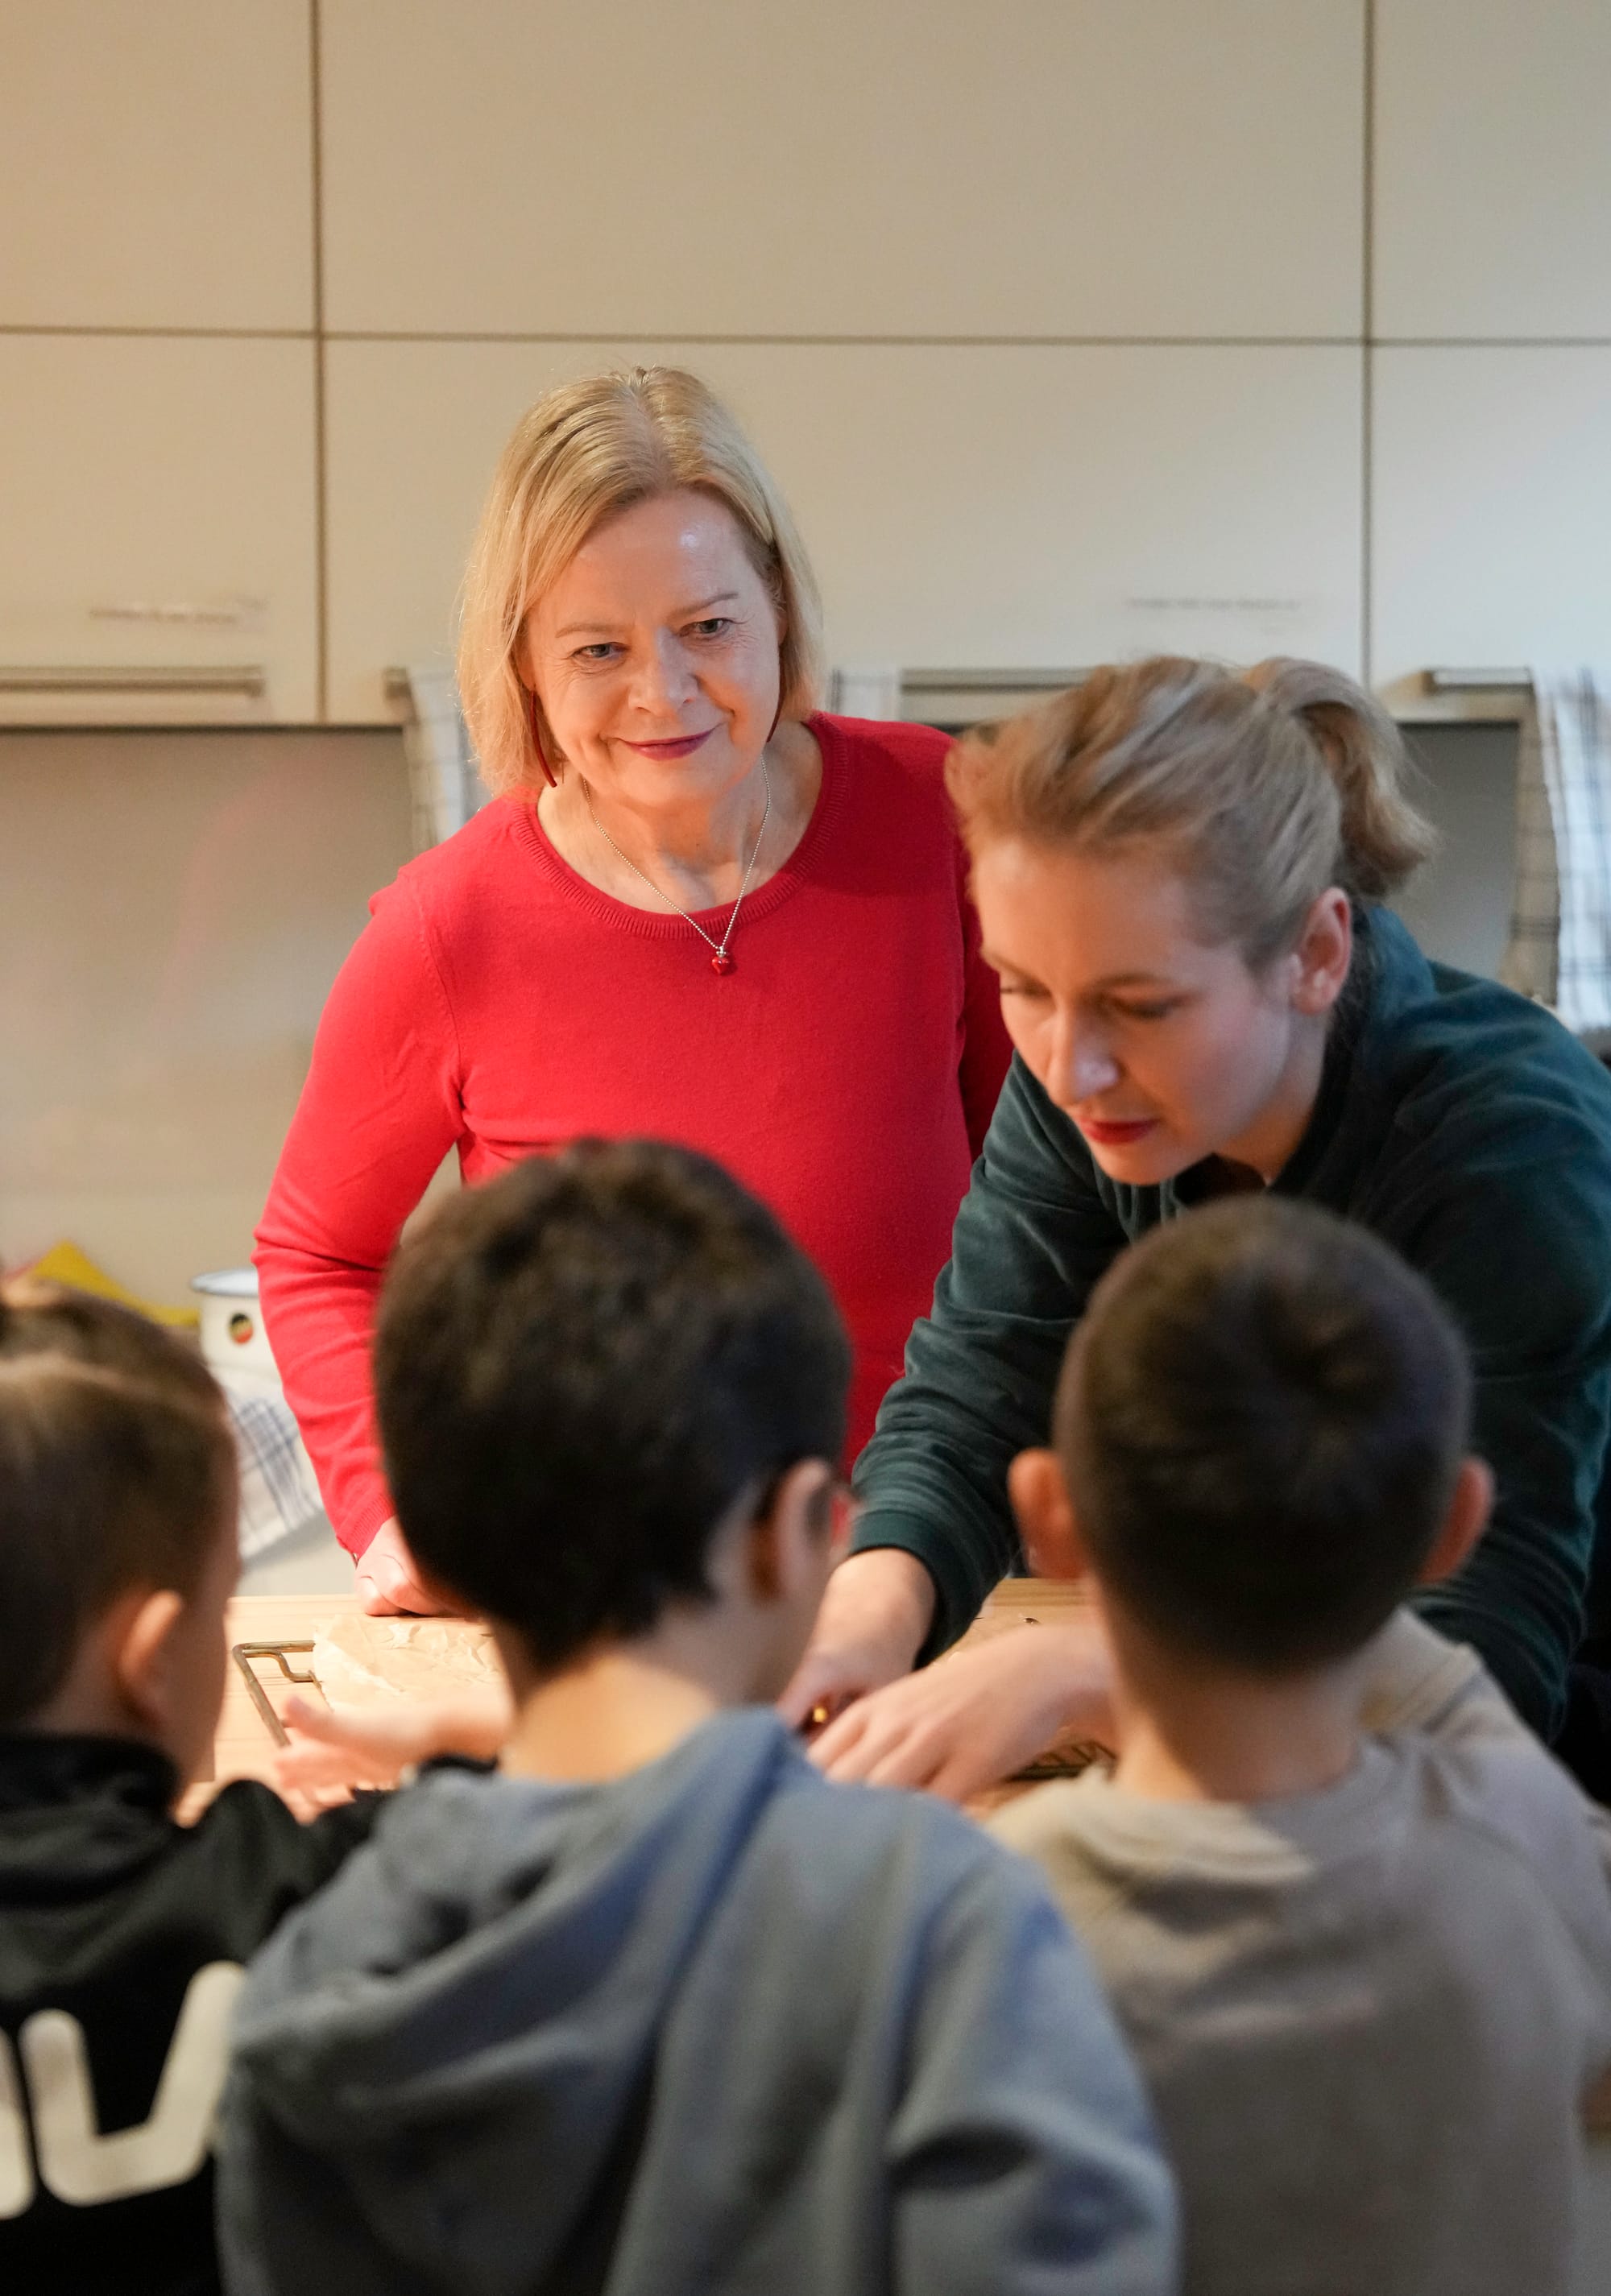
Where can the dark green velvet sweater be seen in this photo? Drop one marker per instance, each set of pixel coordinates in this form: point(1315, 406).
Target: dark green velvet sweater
point(1459, 1123)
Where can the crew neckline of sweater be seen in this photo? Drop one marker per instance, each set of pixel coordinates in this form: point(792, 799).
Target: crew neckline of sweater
point(649, 924)
point(1279, 1839)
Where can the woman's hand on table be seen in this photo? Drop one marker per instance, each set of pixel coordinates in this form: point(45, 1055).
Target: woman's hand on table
point(387, 1582)
point(333, 1748)
point(874, 1618)
point(975, 1716)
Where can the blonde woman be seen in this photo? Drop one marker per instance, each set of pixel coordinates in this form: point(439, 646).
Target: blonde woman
point(1181, 874)
point(699, 909)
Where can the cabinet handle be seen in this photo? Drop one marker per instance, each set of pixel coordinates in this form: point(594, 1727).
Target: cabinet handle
point(249, 678)
point(1476, 681)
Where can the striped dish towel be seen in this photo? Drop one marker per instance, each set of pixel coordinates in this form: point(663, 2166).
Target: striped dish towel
point(1560, 924)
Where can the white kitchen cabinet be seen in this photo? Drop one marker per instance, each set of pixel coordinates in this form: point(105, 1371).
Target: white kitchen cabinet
point(155, 164)
point(858, 167)
point(1491, 520)
point(157, 499)
point(1492, 168)
point(965, 505)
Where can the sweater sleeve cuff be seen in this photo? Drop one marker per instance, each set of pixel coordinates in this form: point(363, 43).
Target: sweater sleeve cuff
point(956, 1606)
point(360, 1526)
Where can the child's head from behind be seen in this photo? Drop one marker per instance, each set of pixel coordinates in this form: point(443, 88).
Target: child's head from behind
point(117, 1524)
point(1262, 1423)
point(610, 1387)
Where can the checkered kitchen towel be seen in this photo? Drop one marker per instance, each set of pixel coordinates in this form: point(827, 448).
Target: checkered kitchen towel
point(444, 780)
point(278, 1493)
point(1560, 925)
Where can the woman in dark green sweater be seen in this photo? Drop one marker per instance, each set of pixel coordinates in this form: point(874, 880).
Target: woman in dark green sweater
point(1180, 873)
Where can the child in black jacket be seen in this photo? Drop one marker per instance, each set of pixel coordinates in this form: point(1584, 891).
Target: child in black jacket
point(122, 1933)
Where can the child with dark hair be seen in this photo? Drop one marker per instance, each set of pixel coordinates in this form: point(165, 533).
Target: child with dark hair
point(1366, 1976)
point(122, 1933)
point(656, 2010)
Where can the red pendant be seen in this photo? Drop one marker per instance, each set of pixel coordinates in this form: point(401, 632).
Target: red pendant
point(722, 962)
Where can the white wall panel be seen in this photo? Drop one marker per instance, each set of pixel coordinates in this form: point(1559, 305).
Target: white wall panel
point(155, 164)
point(965, 505)
point(1493, 167)
point(861, 167)
point(1491, 522)
point(157, 508)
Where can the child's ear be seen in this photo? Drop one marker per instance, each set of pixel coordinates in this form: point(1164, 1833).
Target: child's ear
point(1470, 1504)
point(1038, 1491)
point(143, 1662)
point(788, 1544)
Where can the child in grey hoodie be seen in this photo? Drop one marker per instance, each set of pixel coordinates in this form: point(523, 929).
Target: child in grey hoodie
point(654, 2009)
point(1354, 1917)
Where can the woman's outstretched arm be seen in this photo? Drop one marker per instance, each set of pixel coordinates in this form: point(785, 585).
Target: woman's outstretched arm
point(935, 1534)
point(378, 1114)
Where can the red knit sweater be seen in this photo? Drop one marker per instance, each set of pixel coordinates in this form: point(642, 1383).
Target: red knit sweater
point(499, 1005)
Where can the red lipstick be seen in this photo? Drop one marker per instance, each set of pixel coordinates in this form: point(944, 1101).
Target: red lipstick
point(1116, 1135)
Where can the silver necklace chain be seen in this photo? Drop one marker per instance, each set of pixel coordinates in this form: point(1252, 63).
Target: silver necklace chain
point(721, 947)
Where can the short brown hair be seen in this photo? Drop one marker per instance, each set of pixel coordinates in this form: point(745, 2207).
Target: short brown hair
point(1262, 787)
point(117, 1470)
point(1262, 1416)
point(581, 1367)
point(585, 452)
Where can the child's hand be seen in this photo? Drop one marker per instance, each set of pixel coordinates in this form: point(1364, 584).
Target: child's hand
point(337, 1746)
point(350, 1745)
point(974, 1718)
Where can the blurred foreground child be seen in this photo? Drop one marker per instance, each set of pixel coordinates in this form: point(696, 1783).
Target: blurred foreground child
point(122, 1933)
point(656, 2010)
point(1367, 1978)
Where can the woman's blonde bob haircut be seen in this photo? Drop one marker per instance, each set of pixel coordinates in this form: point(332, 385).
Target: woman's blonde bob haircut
point(585, 452)
point(1262, 787)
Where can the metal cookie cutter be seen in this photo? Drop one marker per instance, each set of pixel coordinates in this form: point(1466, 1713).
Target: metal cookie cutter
point(244, 1654)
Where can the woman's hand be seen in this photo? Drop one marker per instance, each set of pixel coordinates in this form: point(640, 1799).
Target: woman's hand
point(337, 1746)
point(387, 1581)
point(873, 1616)
point(977, 1716)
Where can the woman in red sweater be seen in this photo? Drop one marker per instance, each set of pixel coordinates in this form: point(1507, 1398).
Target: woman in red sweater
point(697, 909)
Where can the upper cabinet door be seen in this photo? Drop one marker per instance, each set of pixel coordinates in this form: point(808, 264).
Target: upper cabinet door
point(1032, 506)
point(1493, 169)
point(157, 506)
point(929, 168)
point(1491, 475)
point(155, 164)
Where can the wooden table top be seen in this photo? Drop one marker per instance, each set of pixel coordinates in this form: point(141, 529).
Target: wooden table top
point(244, 1748)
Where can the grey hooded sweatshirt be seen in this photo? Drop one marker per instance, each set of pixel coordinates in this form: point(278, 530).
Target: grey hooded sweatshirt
point(715, 2027)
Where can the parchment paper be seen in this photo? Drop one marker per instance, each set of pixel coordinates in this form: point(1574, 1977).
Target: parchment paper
point(372, 1662)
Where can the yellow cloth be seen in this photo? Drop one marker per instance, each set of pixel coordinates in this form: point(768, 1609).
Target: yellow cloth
point(64, 1263)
